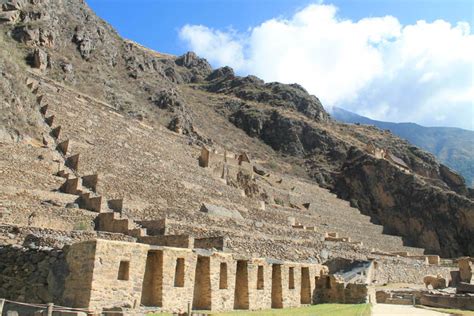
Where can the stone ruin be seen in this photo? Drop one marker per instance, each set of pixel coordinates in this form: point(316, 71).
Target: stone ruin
point(454, 291)
point(147, 268)
point(156, 270)
point(381, 153)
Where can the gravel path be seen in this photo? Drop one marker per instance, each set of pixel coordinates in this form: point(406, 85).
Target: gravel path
point(402, 310)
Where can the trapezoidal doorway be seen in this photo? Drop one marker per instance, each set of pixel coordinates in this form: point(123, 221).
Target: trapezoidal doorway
point(202, 284)
point(277, 295)
point(152, 290)
point(241, 294)
point(305, 286)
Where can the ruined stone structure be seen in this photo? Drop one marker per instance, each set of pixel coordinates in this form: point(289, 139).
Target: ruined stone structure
point(99, 274)
point(105, 206)
point(381, 153)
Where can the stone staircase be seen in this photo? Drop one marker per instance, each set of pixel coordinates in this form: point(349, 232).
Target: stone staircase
point(85, 187)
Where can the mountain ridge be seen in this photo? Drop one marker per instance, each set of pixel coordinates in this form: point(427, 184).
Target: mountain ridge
point(451, 145)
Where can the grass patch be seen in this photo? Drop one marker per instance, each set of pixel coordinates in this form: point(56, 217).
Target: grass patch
point(313, 310)
point(82, 225)
point(450, 311)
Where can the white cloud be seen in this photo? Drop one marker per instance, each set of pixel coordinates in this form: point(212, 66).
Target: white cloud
point(375, 66)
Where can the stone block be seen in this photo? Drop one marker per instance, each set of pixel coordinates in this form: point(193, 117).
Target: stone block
point(90, 181)
point(465, 269)
point(448, 301)
point(44, 109)
point(204, 157)
point(95, 204)
point(55, 132)
point(433, 259)
point(220, 211)
point(218, 243)
point(40, 99)
point(49, 120)
point(464, 288)
point(155, 227)
point(63, 147)
point(70, 186)
point(178, 241)
point(115, 205)
point(40, 59)
point(73, 162)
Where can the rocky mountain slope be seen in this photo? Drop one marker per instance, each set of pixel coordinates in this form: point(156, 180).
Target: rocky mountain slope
point(452, 146)
point(283, 126)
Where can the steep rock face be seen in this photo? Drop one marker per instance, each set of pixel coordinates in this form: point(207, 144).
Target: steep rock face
point(440, 221)
point(251, 88)
point(18, 117)
point(69, 43)
point(288, 135)
point(199, 67)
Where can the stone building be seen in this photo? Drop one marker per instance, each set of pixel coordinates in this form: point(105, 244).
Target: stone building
point(104, 274)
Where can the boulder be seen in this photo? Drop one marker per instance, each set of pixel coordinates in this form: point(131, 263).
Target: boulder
point(221, 73)
point(40, 59)
point(220, 211)
point(259, 170)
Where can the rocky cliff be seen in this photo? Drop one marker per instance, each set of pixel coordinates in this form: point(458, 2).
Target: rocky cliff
point(64, 40)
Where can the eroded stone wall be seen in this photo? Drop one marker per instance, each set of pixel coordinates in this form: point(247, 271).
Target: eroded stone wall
point(402, 270)
point(112, 287)
point(34, 275)
point(331, 289)
point(223, 271)
point(99, 274)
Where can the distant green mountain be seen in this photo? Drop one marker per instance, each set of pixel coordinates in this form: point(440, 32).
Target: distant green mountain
point(454, 147)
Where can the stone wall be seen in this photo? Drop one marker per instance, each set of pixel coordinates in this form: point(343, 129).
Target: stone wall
point(178, 285)
point(403, 270)
point(180, 241)
point(210, 243)
point(99, 274)
point(331, 289)
point(154, 227)
point(223, 270)
point(448, 301)
point(44, 237)
point(465, 265)
point(34, 275)
point(259, 284)
point(105, 274)
point(78, 284)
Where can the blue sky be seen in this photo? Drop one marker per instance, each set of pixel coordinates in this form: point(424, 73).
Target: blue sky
point(373, 57)
point(156, 23)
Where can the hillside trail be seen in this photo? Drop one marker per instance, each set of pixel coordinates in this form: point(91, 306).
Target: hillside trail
point(402, 310)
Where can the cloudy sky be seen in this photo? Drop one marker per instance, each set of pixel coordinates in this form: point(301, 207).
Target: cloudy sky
point(388, 60)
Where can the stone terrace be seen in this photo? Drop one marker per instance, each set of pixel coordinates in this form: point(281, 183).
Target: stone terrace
point(157, 173)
